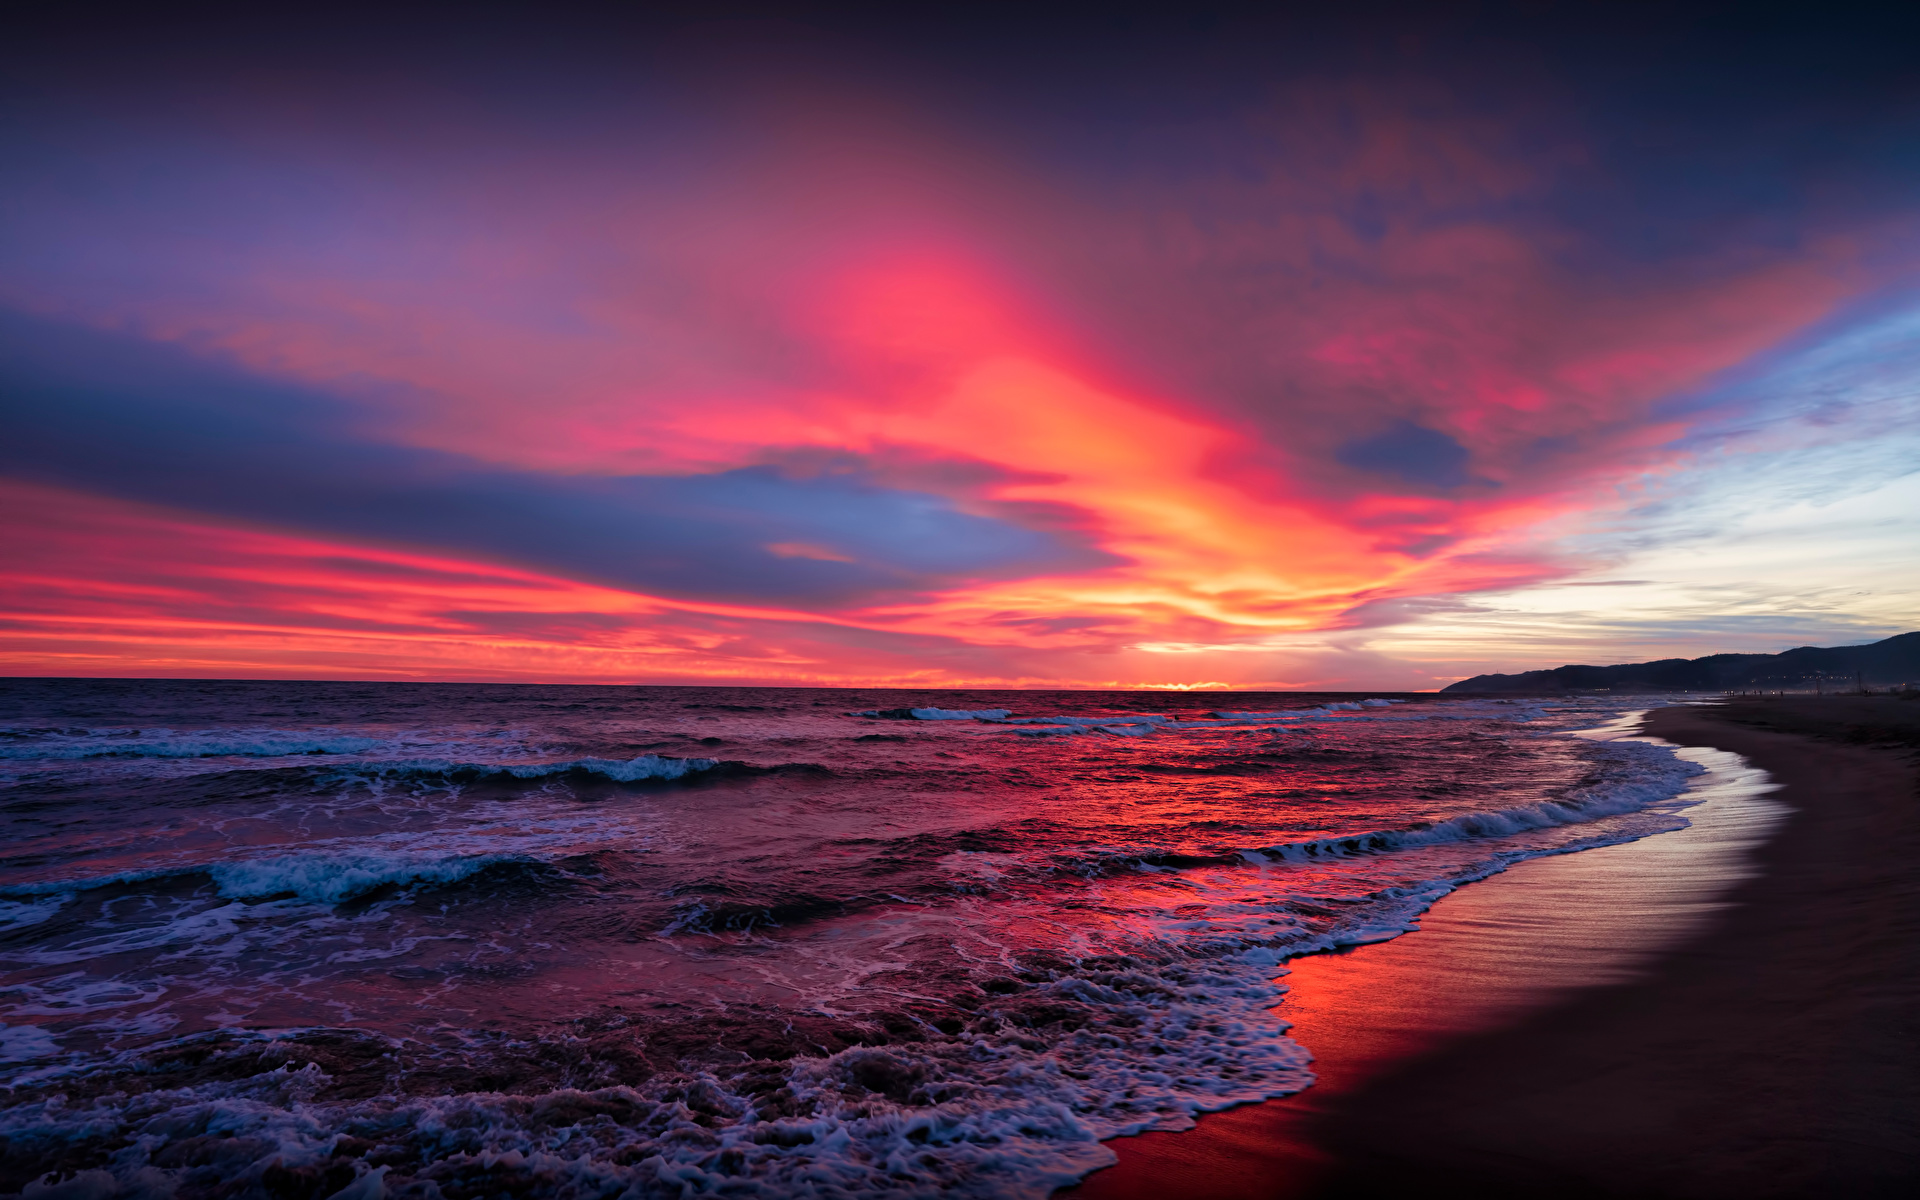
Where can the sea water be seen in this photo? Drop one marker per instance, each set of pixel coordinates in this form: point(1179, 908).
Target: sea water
point(319, 939)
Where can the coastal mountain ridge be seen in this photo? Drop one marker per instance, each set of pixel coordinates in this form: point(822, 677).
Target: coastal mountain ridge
point(1879, 664)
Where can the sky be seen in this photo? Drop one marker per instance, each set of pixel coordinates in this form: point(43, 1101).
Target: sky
point(797, 346)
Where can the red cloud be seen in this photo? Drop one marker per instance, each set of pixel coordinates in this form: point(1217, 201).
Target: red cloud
point(1349, 353)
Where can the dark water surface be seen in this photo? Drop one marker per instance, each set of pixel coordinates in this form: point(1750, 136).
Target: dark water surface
point(307, 939)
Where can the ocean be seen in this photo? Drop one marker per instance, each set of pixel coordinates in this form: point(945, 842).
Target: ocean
point(301, 939)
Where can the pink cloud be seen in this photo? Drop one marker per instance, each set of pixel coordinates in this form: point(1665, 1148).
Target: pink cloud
point(1248, 380)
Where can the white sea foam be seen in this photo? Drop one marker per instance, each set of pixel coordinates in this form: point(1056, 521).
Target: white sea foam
point(1128, 719)
point(1220, 723)
point(328, 870)
point(1132, 725)
point(1141, 724)
point(1645, 775)
point(936, 714)
point(628, 770)
point(330, 879)
point(323, 878)
point(622, 770)
point(18, 914)
point(24, 1043)
point(998, 1112)
point(265, 743)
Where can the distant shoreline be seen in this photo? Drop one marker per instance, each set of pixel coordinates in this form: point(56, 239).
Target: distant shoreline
point(1810, 670)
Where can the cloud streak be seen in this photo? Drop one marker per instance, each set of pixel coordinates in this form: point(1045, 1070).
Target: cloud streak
point(120, 417)
point(813, 356)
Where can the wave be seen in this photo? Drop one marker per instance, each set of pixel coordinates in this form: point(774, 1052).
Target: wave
point(1505, 822)
point(269, 743)
point(334, 879)
point(1652, 775)
point(1640, 775)
point(621, 770)
point(166, 744)
point(1006, 1098)
point(934, 714)
point(18, 914)
point(1144, 724)
point(315, 878)
point(1127, 725)
point(1111, 728)
point(1225, 723)
point(1126, 719)
point(1295, 713)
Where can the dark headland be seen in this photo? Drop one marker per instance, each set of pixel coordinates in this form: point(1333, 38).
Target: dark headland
point(1894, 662)
point(1772, 1051)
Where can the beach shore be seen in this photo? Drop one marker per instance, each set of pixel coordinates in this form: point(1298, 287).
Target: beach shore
point(1728, 1010)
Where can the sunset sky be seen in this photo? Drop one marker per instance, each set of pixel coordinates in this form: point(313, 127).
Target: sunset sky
point(839, 349)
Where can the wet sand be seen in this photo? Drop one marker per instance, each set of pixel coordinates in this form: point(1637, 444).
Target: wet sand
point(1711, 1012)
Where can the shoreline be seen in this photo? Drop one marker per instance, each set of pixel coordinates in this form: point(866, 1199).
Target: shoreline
point(1676, 1036)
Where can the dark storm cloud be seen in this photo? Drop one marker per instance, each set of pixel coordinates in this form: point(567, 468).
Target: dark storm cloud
point(1411, 453)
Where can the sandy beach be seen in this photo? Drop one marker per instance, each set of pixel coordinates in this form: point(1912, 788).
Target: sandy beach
point(1722, 1011)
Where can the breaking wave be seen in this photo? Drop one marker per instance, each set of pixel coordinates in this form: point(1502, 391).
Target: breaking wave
point(1651, 774)
point(933, 714)
point(1643, 775)
point(61, 744)
point(1009, 1097)
point(335, 878)
point(316, 878)
point(1117, 725)
point(620, 770)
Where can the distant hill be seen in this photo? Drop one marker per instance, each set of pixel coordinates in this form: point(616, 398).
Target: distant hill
point(1881, 664)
